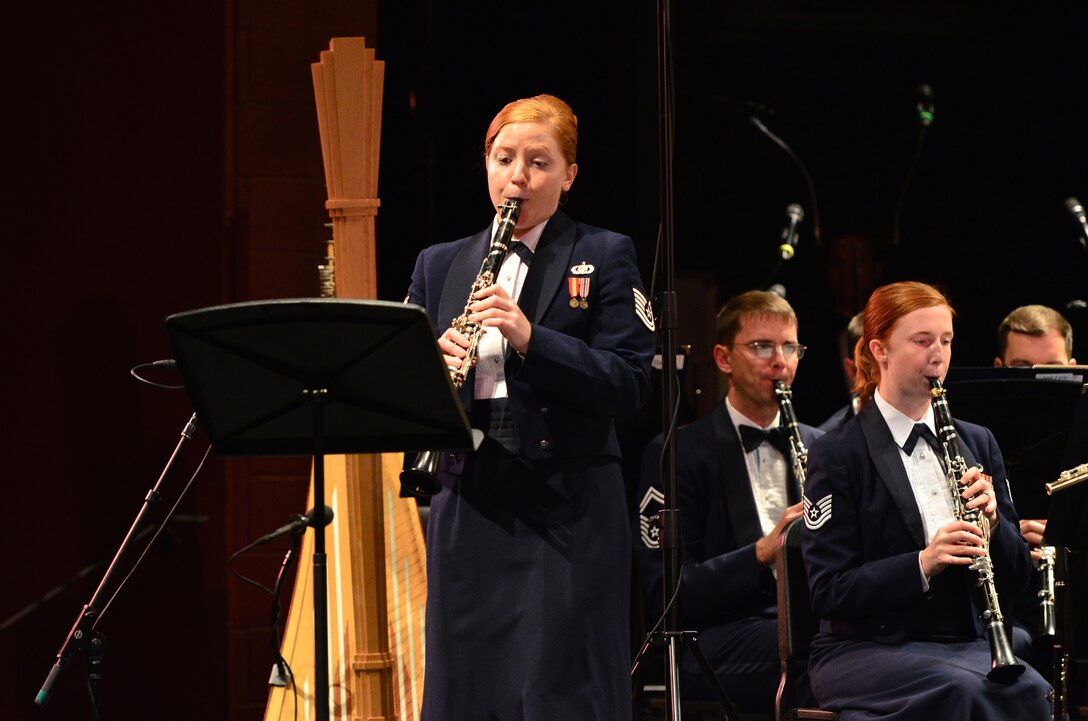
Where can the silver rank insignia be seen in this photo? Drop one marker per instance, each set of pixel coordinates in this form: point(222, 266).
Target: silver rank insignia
point(818, 513)
point(643, 309)
point(652, 504)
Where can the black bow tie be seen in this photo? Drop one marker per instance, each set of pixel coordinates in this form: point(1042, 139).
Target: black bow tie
point(522, 251)
point(921, 430)
point(751, 437)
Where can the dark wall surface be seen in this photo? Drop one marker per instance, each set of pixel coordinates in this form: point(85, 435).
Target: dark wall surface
point(113, 209)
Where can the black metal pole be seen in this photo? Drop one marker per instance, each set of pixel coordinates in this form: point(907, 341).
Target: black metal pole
point(669, 518)
point(321, 598)
point(677, 641)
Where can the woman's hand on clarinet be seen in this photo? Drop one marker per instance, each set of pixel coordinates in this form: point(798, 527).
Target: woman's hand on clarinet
point(957, 544)
point(494, 308)
point(979, 493)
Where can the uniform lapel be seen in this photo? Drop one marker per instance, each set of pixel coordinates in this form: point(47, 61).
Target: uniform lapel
point(550, 259)
point(889, 466)
point(550, 263)
point(459, 278)
point(736, 486)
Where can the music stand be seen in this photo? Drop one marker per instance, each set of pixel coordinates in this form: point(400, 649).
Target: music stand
point(314, 377)
point(1030, 412)
point(1067, 522)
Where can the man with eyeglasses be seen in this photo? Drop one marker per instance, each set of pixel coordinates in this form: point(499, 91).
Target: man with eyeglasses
point(736, 494)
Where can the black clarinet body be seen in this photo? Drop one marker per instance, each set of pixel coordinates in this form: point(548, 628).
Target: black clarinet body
point(798, 452)
point(1004, 667)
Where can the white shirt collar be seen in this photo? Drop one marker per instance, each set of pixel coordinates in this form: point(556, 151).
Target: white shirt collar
point(898, 423)
point(739, 419)
point(529, 239)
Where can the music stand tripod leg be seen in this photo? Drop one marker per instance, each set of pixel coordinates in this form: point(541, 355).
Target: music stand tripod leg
point(670, 541)
point(691, 643)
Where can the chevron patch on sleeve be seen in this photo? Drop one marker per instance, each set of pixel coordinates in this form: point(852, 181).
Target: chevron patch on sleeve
point(818, 513)
point(644, 309)
point(651, 505)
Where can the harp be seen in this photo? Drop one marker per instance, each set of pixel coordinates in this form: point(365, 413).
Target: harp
point(377, 584)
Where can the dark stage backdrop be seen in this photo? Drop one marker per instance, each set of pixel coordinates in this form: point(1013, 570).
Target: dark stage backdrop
point(982, 216)
point(159, 158)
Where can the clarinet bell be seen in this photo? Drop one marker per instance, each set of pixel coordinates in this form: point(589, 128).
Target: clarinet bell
point(420, 476)
point(1004, 668)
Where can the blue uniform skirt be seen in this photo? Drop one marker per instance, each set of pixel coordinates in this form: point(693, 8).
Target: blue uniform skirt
point(528, 571)
point(920, 681)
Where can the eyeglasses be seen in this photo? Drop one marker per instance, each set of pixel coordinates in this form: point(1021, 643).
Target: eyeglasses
point(765, 351)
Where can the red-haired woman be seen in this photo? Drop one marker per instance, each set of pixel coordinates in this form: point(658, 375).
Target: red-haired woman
point(528, 551)
point(888, 563)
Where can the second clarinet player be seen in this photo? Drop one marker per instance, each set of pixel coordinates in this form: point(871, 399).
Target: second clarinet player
point(893, 563)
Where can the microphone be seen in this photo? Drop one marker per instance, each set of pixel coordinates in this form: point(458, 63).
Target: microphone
point(1074, 207)
point(794, 216)
point(298, 524)
point(925, 105)
point(778, 289)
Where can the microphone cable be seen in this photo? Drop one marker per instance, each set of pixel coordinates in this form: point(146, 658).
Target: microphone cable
point(170, 364)
point(804, 173)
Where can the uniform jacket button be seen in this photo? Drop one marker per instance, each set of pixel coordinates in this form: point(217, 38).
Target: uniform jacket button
point(544, 445)
point(544, 411)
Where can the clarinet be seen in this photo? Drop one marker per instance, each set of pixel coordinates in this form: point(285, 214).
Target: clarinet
point(1003, 668)
point(798, 451)
point(1048, 626)
point(489, 270)
point(420, 476)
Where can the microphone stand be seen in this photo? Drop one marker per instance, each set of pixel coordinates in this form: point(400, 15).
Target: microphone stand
point(83, 637)
point(670, 537)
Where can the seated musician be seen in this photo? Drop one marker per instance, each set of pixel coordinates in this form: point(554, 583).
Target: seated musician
point(849, 339)
point(886, 547)
point(736, 493)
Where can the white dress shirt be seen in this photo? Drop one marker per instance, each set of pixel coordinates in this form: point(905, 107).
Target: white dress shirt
point(767, 472)
point(491, 353)
point(924, 470)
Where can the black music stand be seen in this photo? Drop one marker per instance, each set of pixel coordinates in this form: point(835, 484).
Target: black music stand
point(1030, 411)
point(1067, 527)
point(314, 377)
point(1067, 522)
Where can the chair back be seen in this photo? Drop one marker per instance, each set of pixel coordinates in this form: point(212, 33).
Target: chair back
point(797, 624)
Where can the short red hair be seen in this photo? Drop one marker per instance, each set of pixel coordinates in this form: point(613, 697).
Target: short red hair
point(546, 109)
